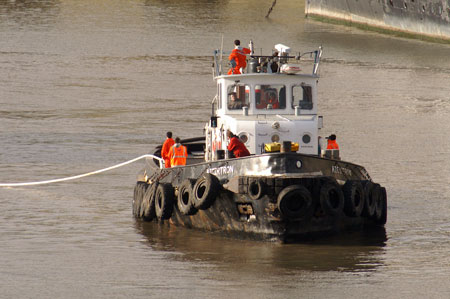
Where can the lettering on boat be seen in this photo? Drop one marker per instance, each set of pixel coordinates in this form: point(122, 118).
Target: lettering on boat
point(222, 170)
point(340, 170)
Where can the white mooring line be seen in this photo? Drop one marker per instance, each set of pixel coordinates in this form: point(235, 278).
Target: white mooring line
point(161, 163)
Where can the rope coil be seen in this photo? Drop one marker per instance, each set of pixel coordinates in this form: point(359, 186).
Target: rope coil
point(161, 165)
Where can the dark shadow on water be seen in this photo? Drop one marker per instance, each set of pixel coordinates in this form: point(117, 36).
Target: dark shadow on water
point(352, 252)
point(29, 12)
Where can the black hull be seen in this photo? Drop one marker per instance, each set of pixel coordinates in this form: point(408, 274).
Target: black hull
point(421, 18)
point(238, 212)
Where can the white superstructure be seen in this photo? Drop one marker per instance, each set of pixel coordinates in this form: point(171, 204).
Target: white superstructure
point(273, 102)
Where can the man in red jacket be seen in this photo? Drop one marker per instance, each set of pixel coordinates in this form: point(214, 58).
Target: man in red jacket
point(239, 58)
point(236, 146)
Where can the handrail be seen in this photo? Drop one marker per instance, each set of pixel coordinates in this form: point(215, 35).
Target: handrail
point(218, 59)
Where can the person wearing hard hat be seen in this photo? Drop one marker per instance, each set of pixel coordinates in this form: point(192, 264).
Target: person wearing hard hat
point(168, 143)
point(332, 144)
point(237, 58)
point(178, 154)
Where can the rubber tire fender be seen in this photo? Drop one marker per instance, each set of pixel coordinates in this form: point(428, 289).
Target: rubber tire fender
point(164, 201)
point(380, 216)
point(185, 198)
point(148, 210)
point(143, 205)
point(331, 198)
point(206, 189)
point(295, 202)
point(256, 189)
point(371, 192)
point(353, 198)
point(135, 199)
point(139, 191)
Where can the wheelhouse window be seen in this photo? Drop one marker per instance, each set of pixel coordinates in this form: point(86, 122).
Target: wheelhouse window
point(270, 96)
point(302, 97)
point(238, 96)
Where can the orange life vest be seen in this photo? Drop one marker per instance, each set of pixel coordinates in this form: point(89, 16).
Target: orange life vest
point(178, 155)
point(332, 144)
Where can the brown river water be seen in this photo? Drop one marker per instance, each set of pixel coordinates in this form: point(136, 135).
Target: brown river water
point(88, 84)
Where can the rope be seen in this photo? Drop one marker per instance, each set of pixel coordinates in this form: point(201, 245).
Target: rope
point(161, 162)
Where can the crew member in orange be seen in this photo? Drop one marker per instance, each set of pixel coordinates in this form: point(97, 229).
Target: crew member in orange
point(332, 144)
point(178, 154)
point(165, 149)
point(239, 58)
point(236, 146)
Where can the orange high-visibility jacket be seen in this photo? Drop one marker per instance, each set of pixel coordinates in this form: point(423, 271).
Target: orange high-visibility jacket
point(178, 155)
point(332, 144)
point(238, 55)
point(165, 151)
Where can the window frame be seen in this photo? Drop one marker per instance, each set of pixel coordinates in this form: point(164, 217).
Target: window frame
point(307, 105)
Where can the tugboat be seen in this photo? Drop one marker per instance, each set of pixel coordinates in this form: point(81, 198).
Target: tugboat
point(288, 188)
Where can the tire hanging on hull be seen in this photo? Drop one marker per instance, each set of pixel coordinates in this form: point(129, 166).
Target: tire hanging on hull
point(256, 189)
point(331, 198)
point(148, 210)
point(185, 198)
point(295, 203)
point(353, 198)
point(164, 201)
point(206, 189)
point(380, 216)
point(371, 192)
point(139, 191)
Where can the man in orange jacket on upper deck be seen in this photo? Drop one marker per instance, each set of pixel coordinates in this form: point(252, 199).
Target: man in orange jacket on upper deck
point(239, 58)
point(165, 149)
point(332, 144)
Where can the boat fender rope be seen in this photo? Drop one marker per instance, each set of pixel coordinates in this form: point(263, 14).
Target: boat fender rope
point(82, 175)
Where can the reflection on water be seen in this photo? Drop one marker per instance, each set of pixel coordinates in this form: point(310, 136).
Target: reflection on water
point(354, 252)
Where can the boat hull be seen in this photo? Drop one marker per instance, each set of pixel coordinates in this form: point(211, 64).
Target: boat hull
point(257, 196)
point(422, 19)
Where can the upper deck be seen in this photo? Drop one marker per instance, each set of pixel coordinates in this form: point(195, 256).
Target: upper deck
point(272, 100)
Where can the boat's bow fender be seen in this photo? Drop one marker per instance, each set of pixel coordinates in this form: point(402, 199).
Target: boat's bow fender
point(295, 202)
point(206, 190)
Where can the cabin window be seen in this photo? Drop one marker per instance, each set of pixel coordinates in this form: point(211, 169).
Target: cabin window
point(270, 96)
point(238, 96)
point(302, 97)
